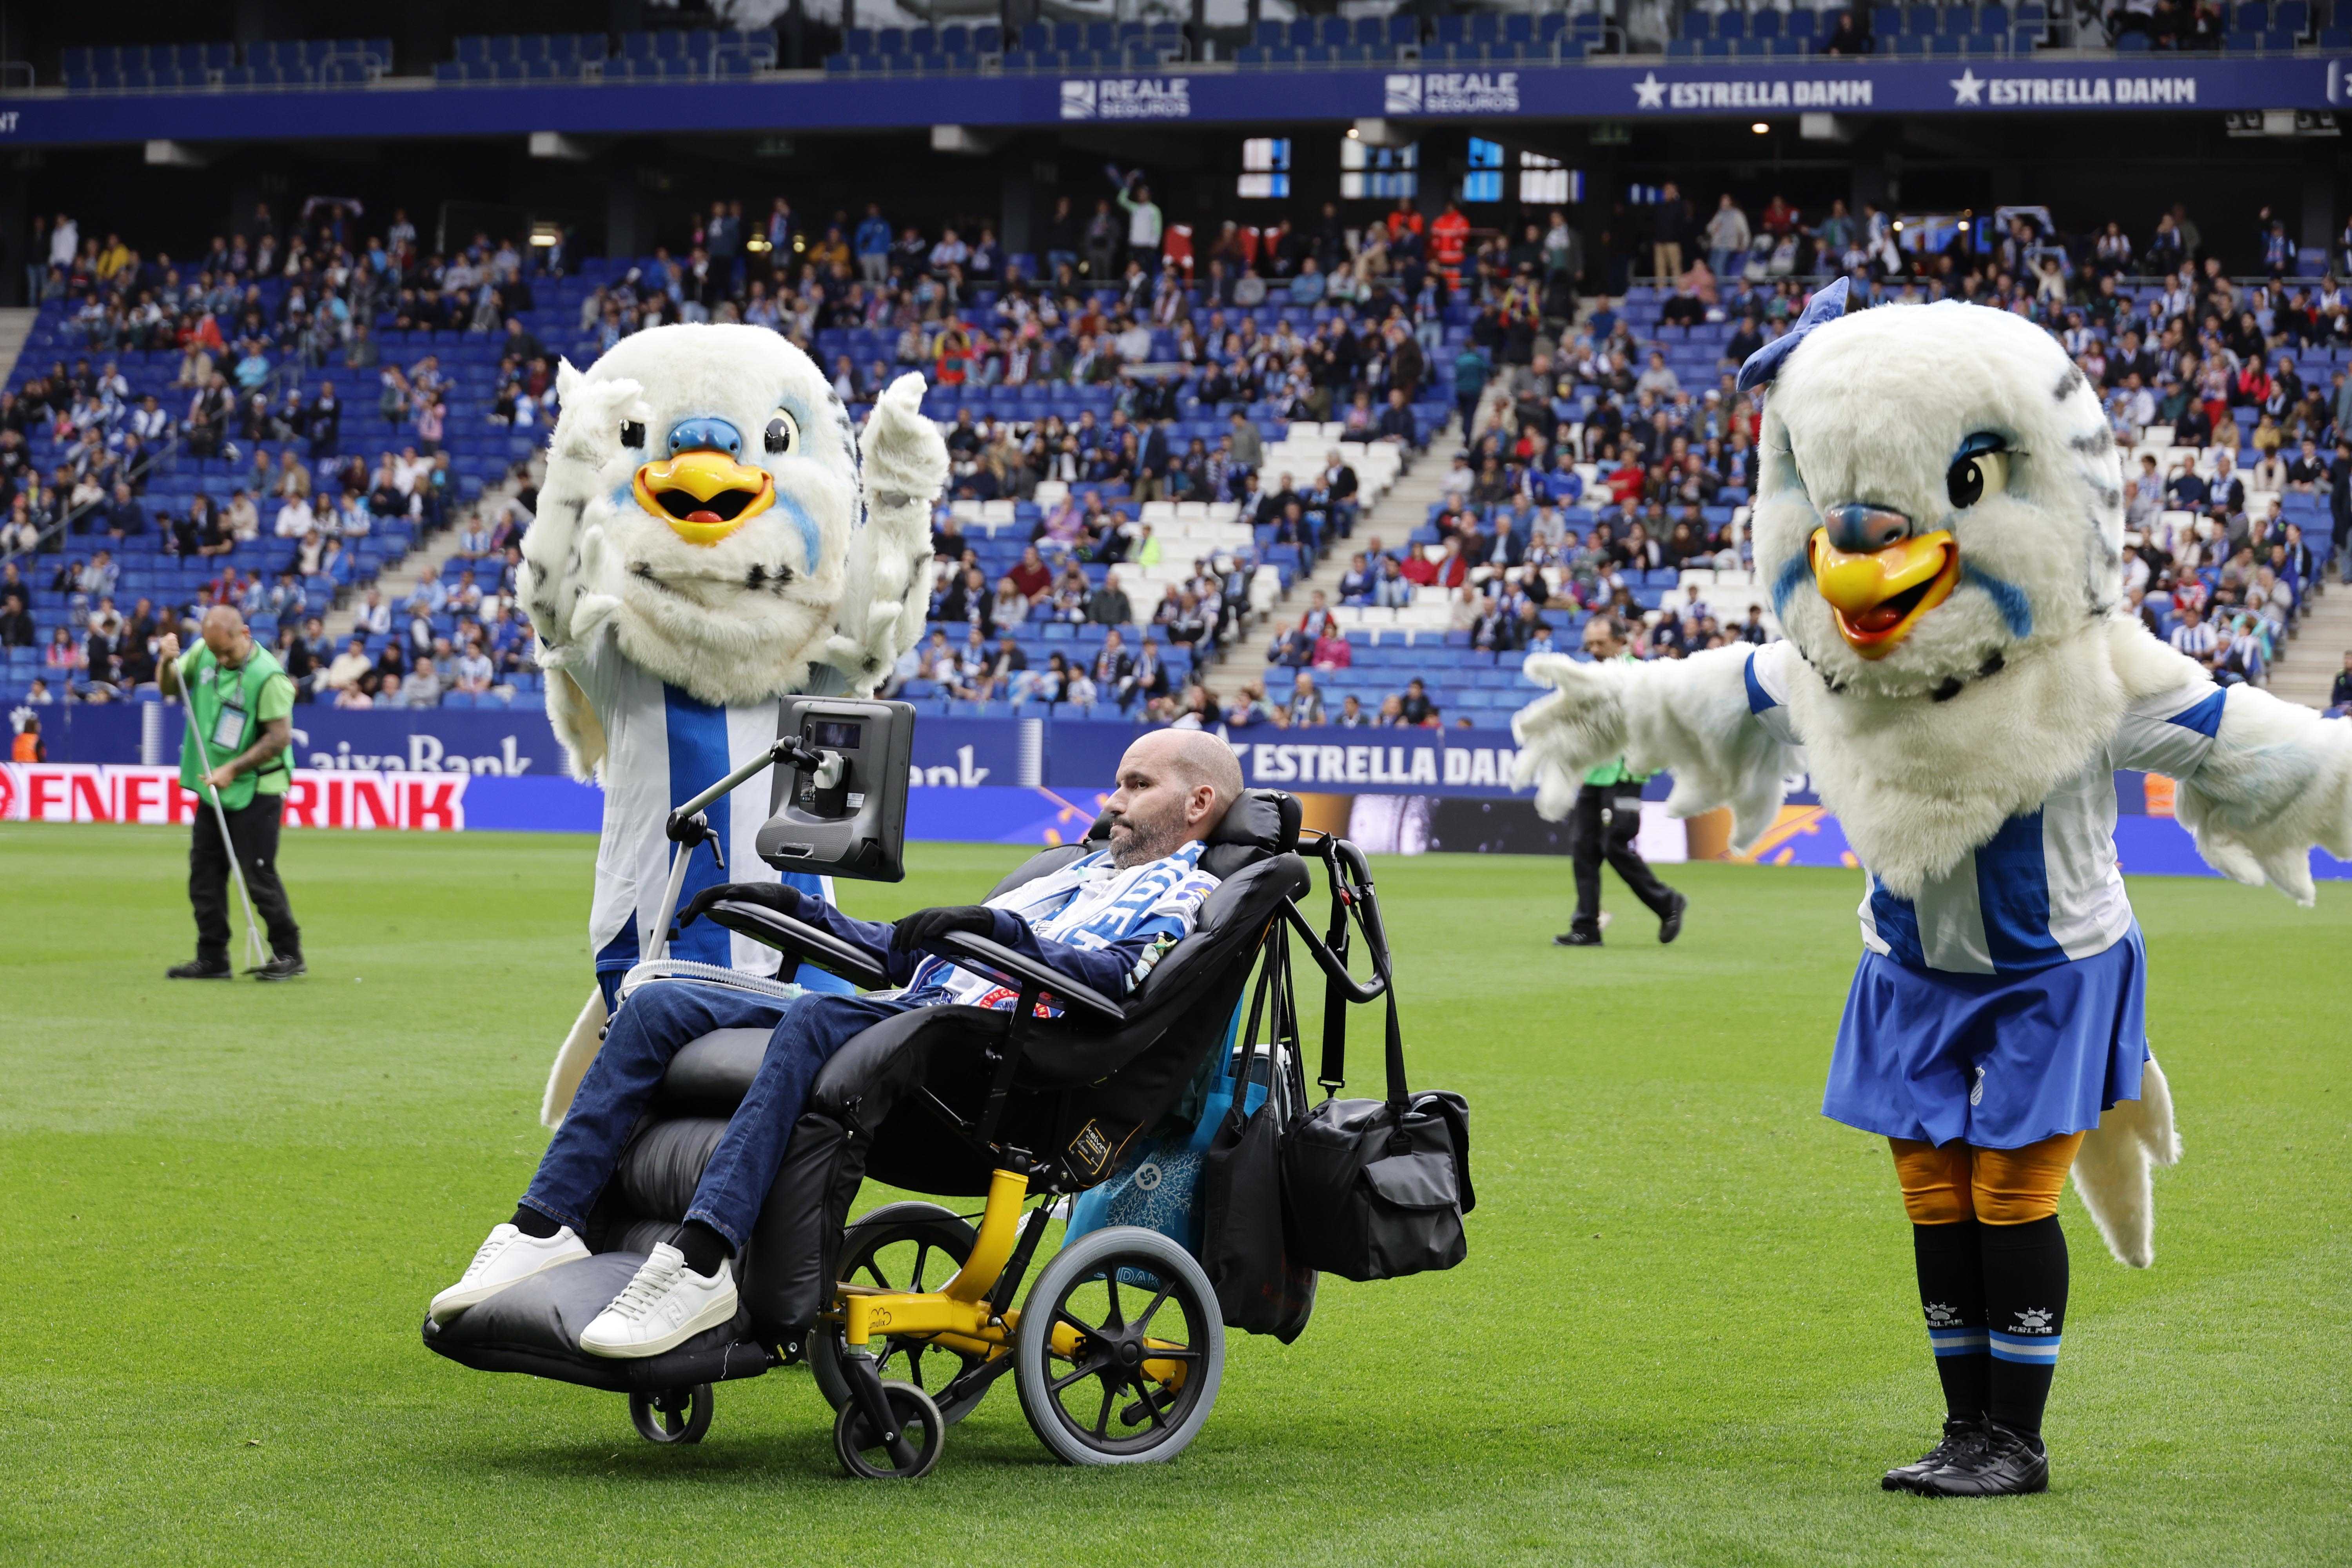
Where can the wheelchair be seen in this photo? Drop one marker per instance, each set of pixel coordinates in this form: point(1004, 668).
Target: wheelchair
point(907, 1317)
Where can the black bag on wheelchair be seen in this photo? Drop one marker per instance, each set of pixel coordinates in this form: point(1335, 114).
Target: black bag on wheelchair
point(1374, 1189)
point(1263, 1286)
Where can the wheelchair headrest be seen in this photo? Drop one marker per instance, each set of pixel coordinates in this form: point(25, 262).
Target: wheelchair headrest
point(1260, 823)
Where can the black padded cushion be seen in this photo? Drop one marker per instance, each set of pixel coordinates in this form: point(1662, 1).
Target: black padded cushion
point(535, 1327)
point(1260, 824)
point(713, 1073)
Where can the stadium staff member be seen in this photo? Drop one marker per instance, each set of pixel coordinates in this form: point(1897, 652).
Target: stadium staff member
point(1615, 792)
point(240, 700)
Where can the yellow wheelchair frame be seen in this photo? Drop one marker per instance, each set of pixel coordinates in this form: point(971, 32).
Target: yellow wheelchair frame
point(969, 1317)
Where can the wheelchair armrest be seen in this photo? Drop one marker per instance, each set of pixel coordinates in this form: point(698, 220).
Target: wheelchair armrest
point(995, 960)
point(800, 939)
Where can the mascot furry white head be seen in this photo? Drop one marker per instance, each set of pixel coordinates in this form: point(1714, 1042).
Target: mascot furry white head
point(1944, 479)
point(720, 492)
point(1940, 502)
point(706, 496)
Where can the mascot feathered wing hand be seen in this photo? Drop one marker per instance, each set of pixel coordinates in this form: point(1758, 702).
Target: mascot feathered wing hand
point(711, 536)
point(1939, 523)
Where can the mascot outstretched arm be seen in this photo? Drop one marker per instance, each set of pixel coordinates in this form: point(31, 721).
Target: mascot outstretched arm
point(707, 542)
point(1940, 521)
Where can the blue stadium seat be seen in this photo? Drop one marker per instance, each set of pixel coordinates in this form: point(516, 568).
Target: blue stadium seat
point(1697, 26)
point(1731, 25)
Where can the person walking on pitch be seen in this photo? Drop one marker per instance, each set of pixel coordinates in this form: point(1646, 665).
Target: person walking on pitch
point(1608, 815)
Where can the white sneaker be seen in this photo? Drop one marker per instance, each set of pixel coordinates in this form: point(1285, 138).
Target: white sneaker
point(507, 1257)
point(664, 1306)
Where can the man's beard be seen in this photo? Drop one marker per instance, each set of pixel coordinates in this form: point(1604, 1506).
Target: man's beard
point(1145, 842)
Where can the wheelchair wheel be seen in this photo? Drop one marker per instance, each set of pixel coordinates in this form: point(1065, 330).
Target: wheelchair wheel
point(1094, 1402)
point(672, 1416)
point(861, 1450)
point(900, 1246)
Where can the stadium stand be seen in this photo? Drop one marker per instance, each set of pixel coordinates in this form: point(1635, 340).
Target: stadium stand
point(1215, 457)
point(152, 68)
point(1470, 39)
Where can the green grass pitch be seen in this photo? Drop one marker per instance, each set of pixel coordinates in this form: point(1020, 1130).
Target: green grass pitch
point(1686, 1331)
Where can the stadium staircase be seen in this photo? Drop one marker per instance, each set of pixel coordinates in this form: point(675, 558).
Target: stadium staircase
point(1391, 519)
point(15, 327)
point(2306, 668)
point(397, 583)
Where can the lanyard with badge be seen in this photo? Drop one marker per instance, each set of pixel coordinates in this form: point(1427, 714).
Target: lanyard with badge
point(230, 720)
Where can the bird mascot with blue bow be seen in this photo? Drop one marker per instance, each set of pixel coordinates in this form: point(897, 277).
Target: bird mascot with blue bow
point(712, 537)
point(1939, 521)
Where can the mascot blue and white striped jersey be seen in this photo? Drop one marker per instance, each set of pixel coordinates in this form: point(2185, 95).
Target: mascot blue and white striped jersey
point(663, 747)
point(2045, 888)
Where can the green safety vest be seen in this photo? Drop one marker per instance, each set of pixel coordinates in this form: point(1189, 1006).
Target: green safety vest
point(229, 707)
point(1615, 772)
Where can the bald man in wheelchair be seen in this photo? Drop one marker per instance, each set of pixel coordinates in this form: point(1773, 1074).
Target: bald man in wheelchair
point(1103, 921)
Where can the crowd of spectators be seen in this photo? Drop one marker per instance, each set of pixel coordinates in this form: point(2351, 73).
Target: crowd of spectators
point(1589, 458)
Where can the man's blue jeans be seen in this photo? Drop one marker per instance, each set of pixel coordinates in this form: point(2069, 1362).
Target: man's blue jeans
point(652, 1026)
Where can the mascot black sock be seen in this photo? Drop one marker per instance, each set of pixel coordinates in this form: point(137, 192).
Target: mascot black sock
point(532, 1223)
point(703, 1249)
point(1951, 1261)
point(2025, 1308)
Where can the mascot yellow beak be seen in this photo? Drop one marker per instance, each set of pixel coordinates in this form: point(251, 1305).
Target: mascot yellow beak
point(706, 495)
point(1880, 595)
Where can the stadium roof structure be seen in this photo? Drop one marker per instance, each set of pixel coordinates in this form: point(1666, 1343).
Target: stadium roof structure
point(1204, 93)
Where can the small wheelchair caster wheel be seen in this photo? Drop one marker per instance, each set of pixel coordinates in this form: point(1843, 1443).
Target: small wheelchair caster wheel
point(922, 1432)
point(901, 1246)
point(1119, 1350)
point(673, 1415)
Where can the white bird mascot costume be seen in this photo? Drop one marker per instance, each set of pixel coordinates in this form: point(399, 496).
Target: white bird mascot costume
point(707, 542)
point(1939, 521)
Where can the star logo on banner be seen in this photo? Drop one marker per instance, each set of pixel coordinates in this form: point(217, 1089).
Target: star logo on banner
point(1650, 93)
point(1967, 87)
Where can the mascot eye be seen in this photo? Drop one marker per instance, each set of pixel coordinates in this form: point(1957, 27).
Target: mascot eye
point(783, 435)
point(1979, 470)
point(633, 434)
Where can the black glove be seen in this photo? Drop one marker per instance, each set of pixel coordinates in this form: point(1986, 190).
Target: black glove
point(775, 895)
point(924, 927)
